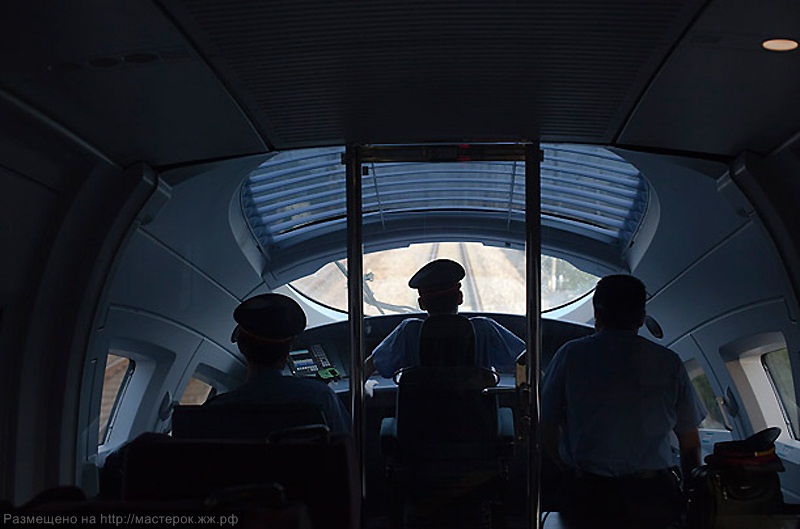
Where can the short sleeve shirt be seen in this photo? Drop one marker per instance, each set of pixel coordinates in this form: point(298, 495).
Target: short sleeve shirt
point(270, 386)
point(617, 397)
point(496, 346)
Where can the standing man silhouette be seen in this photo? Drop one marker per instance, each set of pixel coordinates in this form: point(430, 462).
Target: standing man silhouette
point(610, 403)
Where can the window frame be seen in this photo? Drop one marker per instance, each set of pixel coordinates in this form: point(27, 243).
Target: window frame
point(197, 375)
point(120, 395)
point(793, 427)
point(695, 371)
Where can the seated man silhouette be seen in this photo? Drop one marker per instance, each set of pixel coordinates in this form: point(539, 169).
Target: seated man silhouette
point(439, 286)
point(267, 325)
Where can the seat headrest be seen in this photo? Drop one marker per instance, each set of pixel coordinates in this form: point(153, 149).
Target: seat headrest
point(447, 340)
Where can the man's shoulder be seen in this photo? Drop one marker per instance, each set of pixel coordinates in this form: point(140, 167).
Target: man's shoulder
point(408, 322)
point(590, 344)
point(277, 384)
point(406, 326)
point(221, 399)
point(582, 341)
point(485, 322)
point(655, 351)
point(657, 348)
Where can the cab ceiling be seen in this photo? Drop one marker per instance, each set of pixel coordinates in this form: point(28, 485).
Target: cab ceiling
point(180, 81)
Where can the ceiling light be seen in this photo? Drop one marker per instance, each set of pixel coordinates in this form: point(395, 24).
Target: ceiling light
point(779, 44)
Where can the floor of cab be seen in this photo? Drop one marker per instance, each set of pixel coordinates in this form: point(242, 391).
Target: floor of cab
point(551, 521)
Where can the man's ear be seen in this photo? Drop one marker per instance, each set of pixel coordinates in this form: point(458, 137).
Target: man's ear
point(421, 304)
point(460, 297)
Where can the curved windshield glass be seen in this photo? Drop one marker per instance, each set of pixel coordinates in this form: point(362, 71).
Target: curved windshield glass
point(495, 280)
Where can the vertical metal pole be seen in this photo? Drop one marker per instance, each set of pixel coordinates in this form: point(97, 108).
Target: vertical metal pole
point(533, 248)
point(355, 303)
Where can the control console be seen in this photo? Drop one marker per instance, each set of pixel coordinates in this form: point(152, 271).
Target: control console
point(312, 363)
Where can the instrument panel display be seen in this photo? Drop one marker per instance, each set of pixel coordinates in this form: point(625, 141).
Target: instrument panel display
point(312, 362)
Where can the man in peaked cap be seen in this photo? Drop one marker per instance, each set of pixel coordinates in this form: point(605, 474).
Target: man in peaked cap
point(439, 287)
point(267, 326)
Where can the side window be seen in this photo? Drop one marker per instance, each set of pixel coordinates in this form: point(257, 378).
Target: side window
point(779, 371)
point(196, 392)
point(702, 386)
point(119, 370)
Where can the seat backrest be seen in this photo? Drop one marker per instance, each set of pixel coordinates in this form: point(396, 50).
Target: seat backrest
point(321, 473)
point(447, 340)
point(443, 413)
point(241, 421)
point(440, 407)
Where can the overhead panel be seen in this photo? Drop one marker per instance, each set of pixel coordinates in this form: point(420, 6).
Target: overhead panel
point(331, 73)
point(298, 196)
point(721, 92)
point(120, 79)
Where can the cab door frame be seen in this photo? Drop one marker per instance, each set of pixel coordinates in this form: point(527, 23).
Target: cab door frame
point(530, 153)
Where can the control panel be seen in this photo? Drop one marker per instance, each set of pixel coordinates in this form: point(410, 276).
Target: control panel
point(312, 363)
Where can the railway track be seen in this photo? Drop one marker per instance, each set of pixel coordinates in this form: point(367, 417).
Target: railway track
point(469, 286)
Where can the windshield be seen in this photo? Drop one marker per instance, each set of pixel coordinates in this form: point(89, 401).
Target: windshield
point(495, 280)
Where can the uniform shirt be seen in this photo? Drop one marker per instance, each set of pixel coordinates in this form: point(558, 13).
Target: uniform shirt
point(618, 397)
point(496, 346)
point(270, 386)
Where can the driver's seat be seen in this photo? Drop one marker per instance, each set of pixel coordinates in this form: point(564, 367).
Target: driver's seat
point(447, 340)
point(446, 445)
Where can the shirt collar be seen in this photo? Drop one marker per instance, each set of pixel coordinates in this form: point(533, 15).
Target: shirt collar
point(263, 373)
